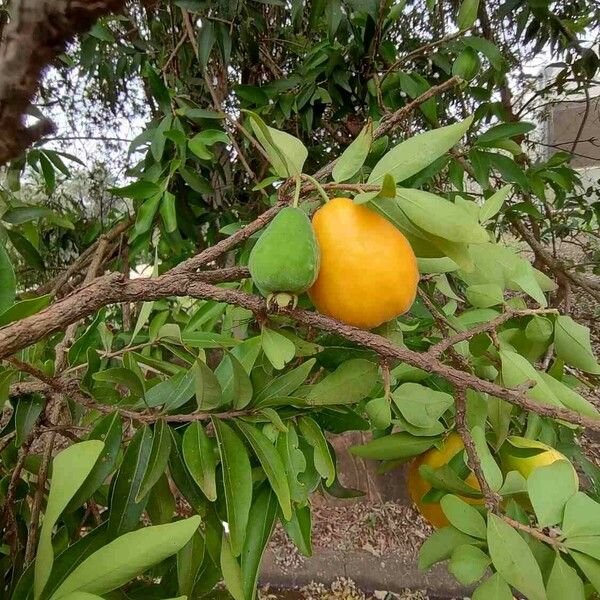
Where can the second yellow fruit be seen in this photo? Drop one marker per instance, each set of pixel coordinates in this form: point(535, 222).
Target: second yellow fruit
point(368, 271)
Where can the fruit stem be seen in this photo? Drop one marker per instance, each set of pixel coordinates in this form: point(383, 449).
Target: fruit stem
point(297, 191)
point(318, 187)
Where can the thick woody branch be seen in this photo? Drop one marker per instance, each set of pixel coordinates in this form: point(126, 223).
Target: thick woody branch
point(114, 289)
point(37, 33)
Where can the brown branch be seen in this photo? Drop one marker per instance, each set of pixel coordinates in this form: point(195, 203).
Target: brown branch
point(492, 499)
point(536, 533)
point(36, 35)
point(112, 289)
point(446, 343)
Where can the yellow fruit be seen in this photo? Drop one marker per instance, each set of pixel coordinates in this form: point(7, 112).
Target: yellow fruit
point(418, 487)
point(368, 271)
point(526, 465)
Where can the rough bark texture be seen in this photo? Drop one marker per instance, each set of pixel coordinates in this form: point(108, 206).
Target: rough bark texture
point(37, 32)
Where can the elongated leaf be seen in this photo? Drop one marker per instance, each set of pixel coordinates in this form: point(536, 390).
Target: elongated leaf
point(286, 384)
point(189, 563)
point(8, 282)
point(564, 582)
point(490, 468)
point(181, 476)
point(299, 529)
point(277, 348)
point(127, 556)
point(493, 204)
point(505, 130)
point(159, 457)
point(463, 516)
point(272, 465)
point(440, 545)
point(494, 588)
point(581, 516)
point(348, 384)
point(121, 376)
point(69, 470)
point(237, 481)
point(199, 458)
point(294, 463)
point(421, 405)
point(394, 446)
point(125, 511)
point(173, 392)
point(572, 344)
point(108, 430)
point(27, 412)
point(413, 155)
point(467, 13)
point(354, 156)
point(24, 308)
point(513, 559)
point(263, 514)
point(550, 487)
point(234, 381)
point(468, 564)
point(208, 390)
point(322, 456)
point(232, 572)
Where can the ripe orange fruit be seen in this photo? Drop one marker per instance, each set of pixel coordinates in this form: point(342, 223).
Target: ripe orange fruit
point(368, 271)
point(418, 487)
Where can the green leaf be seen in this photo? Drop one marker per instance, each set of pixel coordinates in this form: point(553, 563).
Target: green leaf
point(125, 511)
point(8, 282)
point(494, 588)
point(446, 479)
point(128, 556)
point(322, 456)
point(572, 344)
point(27, 412)
point(588, 544)
point(485, 47)
point(581, 516)
point(564, 582)
point(232, 572)
point(285, 384)
point(212, 136)
point(110, 431)
point(24, 214)
point(159, 457)
point(200, 459)
point(181, 476)
point(69, 470)
point(189, 563)
point(299, 529)
point(237, 481)
point(263, 514)
point(26, 249)
point(195, 181)
point(294, 463)
point(271, 464)
point(440, 217)
point(467, 64)
point(539, 329)
point(394, 446)
point(286, 153)
point(505, 130)
point(354, 156)
point(168, 212)
point(440, 545)
point(145, 215)
point(198, 147)
point(421, 406)
point(512, 558)
point(348, 384)
point(549, 488)
point(234, 381)
point(24, 309)
point(277, 348)
point(379, 411)
point(172, 392)
point(590, 567)
point(413, 155)
point(158, 88)
point(491, 470)
point(467, 13)
point(468, 564)
point(122, 376)
point(139, 190)
point(207, 387)
point(463, 516)
point(484, 295)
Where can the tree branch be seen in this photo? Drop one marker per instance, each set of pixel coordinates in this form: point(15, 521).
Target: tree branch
point(37, 33)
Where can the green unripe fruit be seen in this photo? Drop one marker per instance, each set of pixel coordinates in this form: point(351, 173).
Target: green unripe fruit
point(285, 260)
